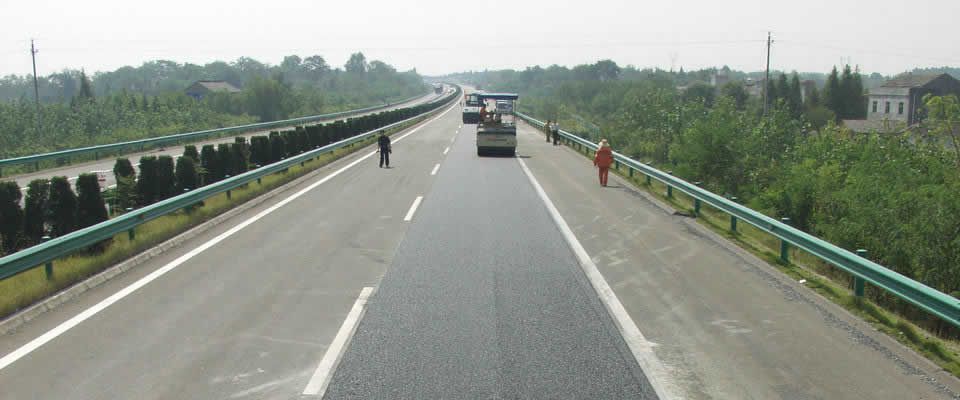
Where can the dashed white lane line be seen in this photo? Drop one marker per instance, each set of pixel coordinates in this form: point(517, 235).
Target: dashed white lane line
point(413, 209)
point(321, 377)
point(641, 348)
point(103, 304)
point(435, 169)
point(446, 150)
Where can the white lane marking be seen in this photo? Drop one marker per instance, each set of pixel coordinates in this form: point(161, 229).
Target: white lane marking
point(642, 349)
point(435, 169)
point(446, 150)
point(321, 377)
point(103, 304)
point(413, 208)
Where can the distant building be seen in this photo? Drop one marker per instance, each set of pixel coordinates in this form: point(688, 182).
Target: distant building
point(901, 98)
point(202, 88)
point(754, 86)
point(719, 79)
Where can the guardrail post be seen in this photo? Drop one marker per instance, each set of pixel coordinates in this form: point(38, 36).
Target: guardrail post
point(669, 188)
point(629, 171)
point(858, 282)
point(733, 218)
point(616, 165)
point(228, 191)
point(48, 267)
point(696, 201)
point(784, 246)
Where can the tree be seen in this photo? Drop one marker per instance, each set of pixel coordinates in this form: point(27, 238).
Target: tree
point(858, 101)
point(62, 214)
point(86, 89)
point(700, 92)
point(187, 177)
point(210, 163)
point(166, 181)
point(126, 178)
point(147, 184)
point(11, 217)
point(357, 64)
point(316, 67)
point(943, 113)
point(227, 163)
point(737, 92)
point(265, 99)
point(606, 70)
point(34, 210)
point(241, 155)
point(190, 151)
point(833, 95)
point(91, 209)
point(795, 95)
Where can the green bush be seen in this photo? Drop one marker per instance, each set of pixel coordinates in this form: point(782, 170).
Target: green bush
point(62, 211)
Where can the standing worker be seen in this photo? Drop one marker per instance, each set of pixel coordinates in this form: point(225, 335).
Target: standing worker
point(555, 132)
point(603, 159)
point(546, 130)
point(385, 149)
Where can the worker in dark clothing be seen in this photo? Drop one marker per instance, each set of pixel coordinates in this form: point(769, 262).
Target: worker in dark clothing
point(546, 130)
point(555, 132)
point(383, 142)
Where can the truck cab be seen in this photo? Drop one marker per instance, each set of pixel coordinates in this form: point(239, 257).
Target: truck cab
point(471, 108)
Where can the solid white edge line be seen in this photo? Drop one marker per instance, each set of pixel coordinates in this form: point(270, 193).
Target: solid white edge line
point(435, 169)
point(642, 349)
point(103, 304)
point(413, 209)
point(320, 380)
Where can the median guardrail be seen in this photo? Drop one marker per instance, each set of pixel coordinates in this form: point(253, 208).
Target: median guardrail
point(863, 270)
point(45, 253)
point(189, 136)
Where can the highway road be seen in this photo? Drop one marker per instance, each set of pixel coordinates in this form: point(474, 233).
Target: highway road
point(105, 165)
point(453, 276)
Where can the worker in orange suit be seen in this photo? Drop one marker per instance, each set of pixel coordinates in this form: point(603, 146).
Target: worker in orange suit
point(603, 159)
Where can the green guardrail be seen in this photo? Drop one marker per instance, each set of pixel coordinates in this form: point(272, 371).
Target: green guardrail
point(45, 253)
point(863, 270)
point(189, 136)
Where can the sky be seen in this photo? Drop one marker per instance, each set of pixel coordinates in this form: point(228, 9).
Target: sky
point(439, 37)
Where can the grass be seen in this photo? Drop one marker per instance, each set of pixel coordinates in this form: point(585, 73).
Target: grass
point(815, 272)
point(27, 288)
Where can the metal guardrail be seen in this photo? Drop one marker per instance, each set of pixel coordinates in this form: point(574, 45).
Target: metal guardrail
point(36, 158)
point(933, 301)
point(44, 253)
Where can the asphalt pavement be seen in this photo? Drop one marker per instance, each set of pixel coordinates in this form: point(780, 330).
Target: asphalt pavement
point(484, 299)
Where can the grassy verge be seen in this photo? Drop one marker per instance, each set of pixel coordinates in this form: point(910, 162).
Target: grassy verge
point(815, 273)
point(31, 286)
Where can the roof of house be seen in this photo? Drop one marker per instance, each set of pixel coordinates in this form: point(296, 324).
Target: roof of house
point(217, 86)
point(910, 80)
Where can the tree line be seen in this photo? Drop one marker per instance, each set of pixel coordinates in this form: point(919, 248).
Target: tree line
point(90, 111)
point(894, 195)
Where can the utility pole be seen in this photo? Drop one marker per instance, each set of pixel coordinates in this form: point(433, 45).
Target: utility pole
point(36, 84)
point(766, 82)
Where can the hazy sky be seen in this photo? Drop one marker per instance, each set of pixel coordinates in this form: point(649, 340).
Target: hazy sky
point(449, 36)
